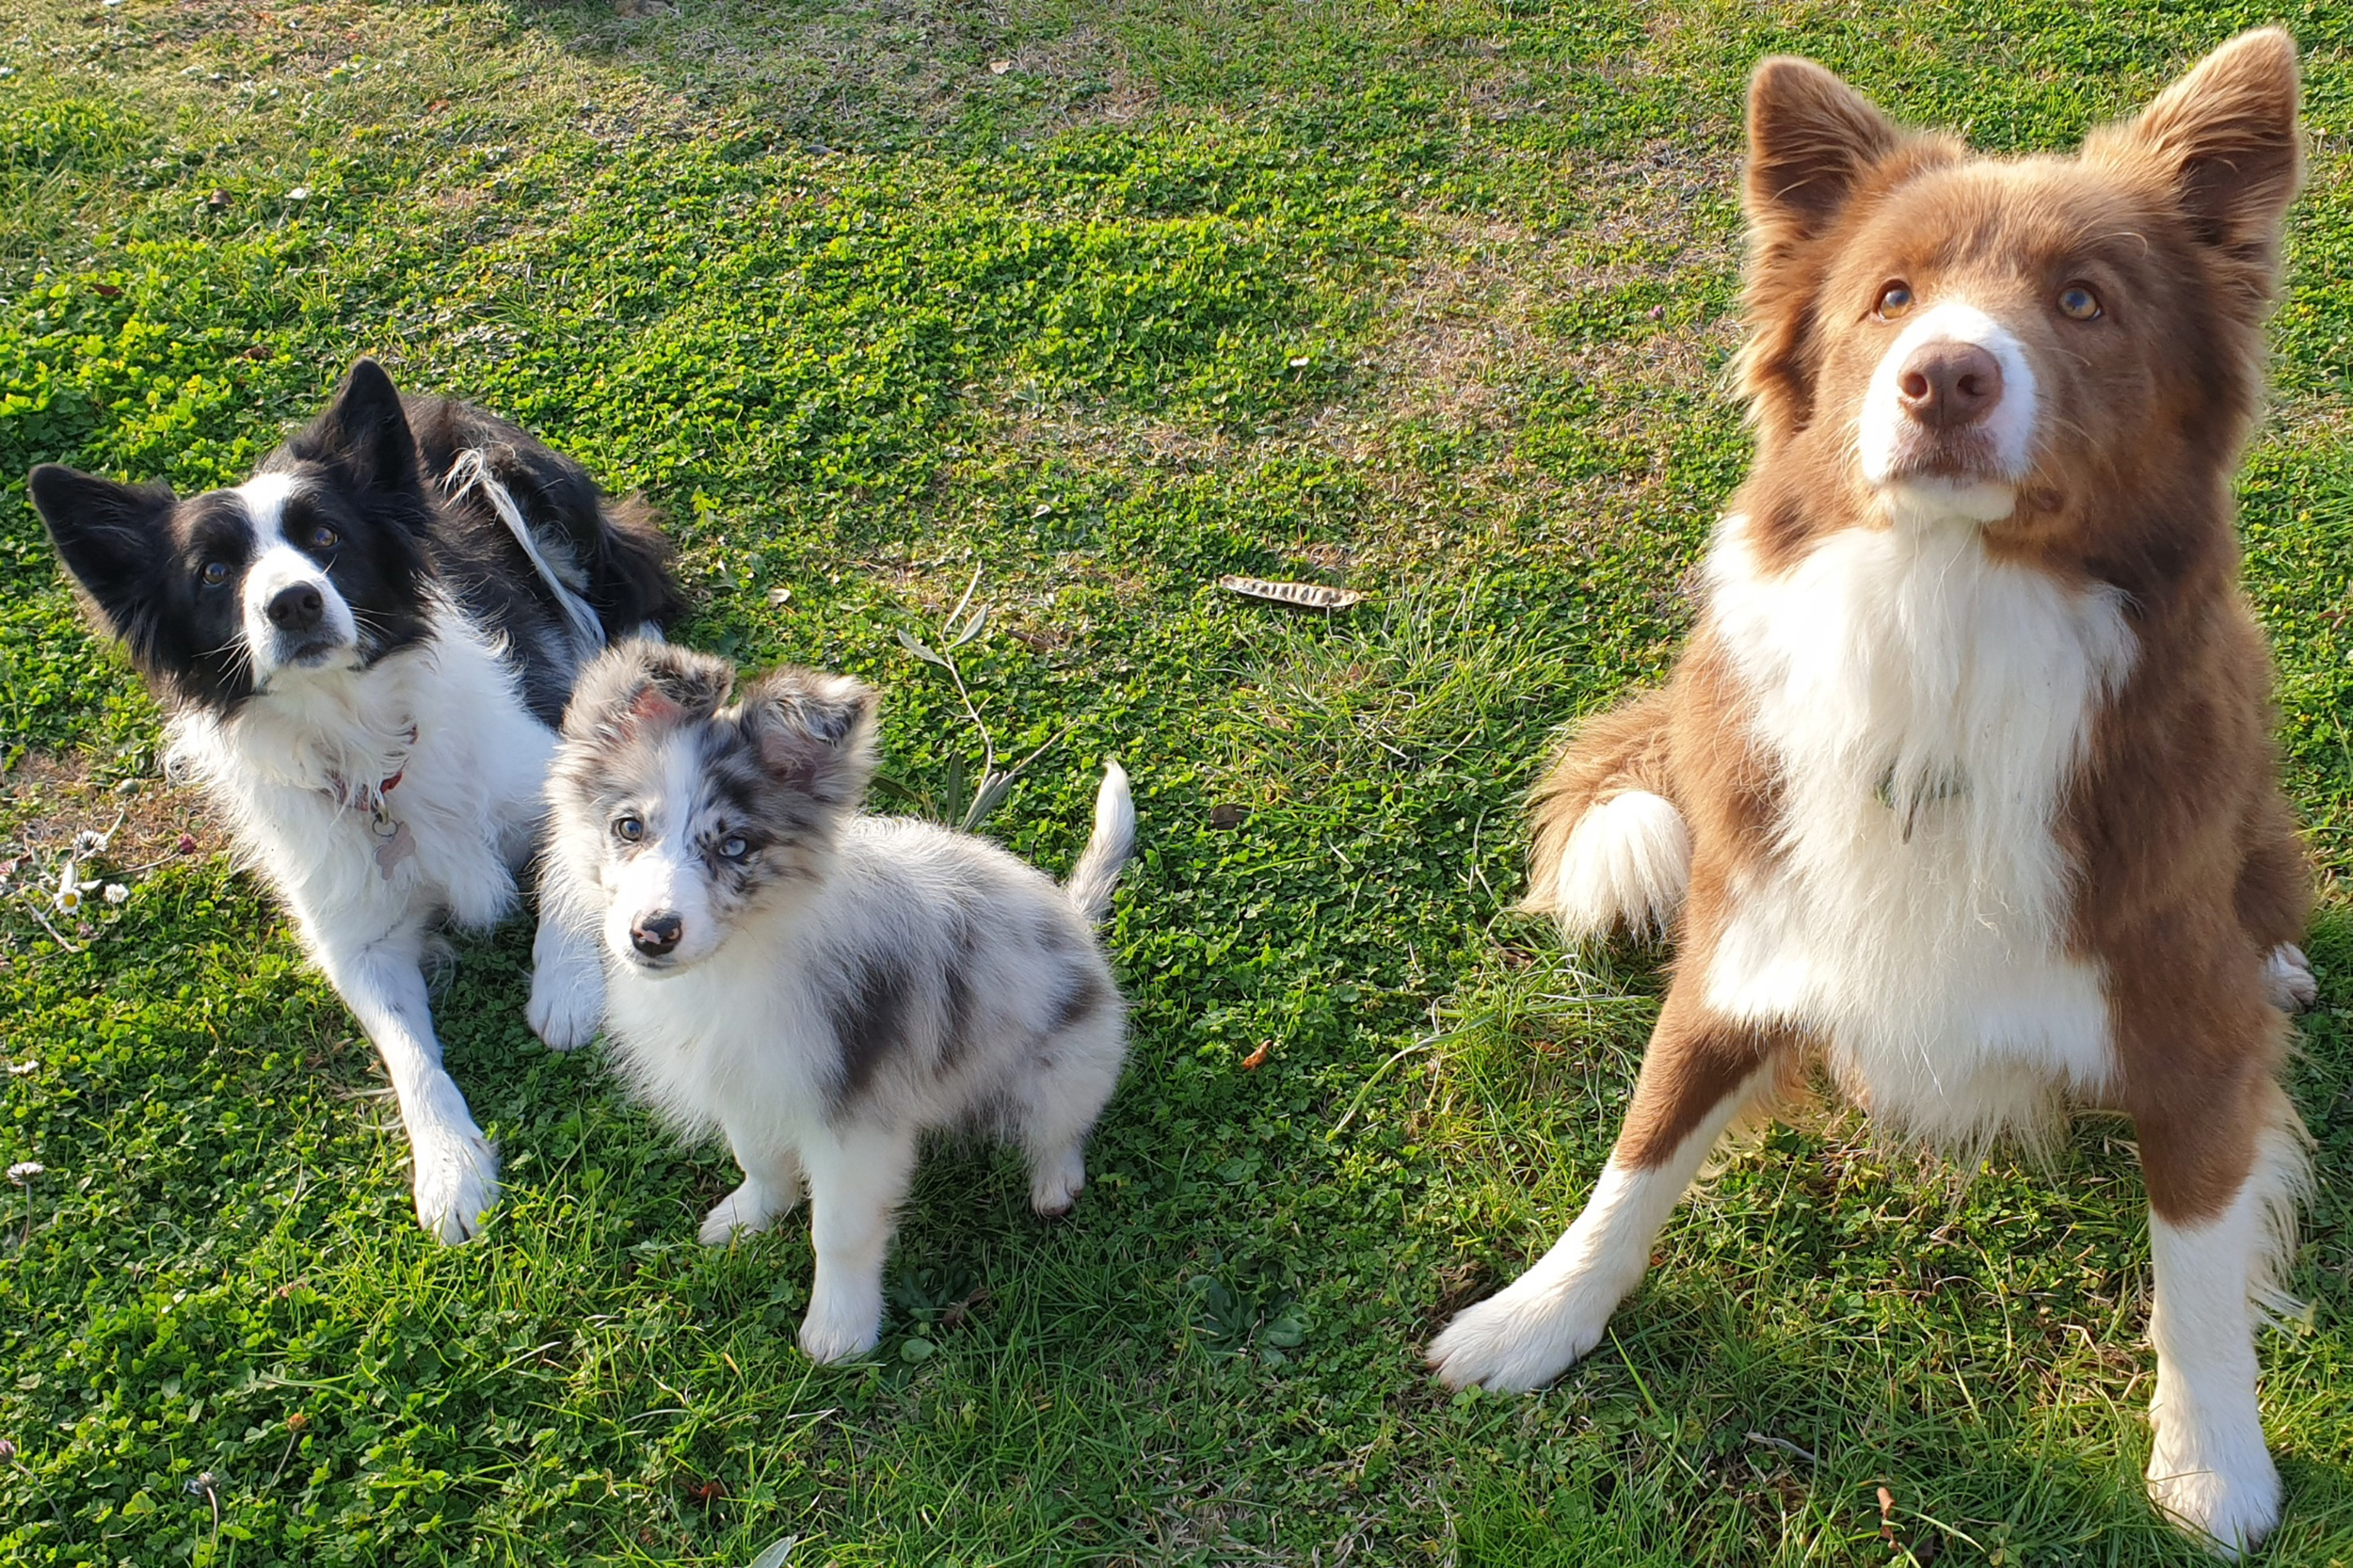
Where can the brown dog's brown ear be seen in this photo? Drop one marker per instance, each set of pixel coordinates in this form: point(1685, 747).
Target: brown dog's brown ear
point(1812, 138)
point(2223, 142)
point(639, 681)
point(815, 733)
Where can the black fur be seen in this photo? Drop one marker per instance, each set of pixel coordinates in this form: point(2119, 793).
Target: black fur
point(372, 467)
point(869, 1020)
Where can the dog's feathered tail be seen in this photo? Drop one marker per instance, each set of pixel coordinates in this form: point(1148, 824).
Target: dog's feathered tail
point(1114, 841)
point(1611, 850)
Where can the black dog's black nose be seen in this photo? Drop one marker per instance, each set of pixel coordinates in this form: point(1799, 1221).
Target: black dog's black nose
point(656, 934)
point(297, 609)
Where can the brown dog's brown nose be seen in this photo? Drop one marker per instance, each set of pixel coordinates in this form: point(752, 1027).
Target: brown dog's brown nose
point(1947, 385)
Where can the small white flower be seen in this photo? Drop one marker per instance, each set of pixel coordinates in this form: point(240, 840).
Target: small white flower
point(25, 1171)
point(116, 892)
point(301, 193)
point(86, 843)
point(21, 1069)
point(69, 895)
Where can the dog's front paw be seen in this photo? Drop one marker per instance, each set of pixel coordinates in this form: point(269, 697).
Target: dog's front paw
point(2231, 1500)
point(1521, 1338)
point(749, 1209)
point(2288, 976)
point(456, 1179)
point(566, 991)
point(837, 1331)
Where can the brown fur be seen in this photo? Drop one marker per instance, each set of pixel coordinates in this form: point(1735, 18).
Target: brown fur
point(2188, 868)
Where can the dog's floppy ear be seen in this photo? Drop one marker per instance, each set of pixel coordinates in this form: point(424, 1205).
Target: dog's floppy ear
point(110, 536)
point(2223, 142)
point(1811, 140)
point(815, 733)
point(365, 433)
point(639, 682)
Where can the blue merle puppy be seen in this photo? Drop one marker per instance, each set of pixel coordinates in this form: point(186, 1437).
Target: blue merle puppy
point(821, 986)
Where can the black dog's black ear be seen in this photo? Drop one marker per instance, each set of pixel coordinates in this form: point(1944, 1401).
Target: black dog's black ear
point(365, 433)
point(110, 536)
point(639, 682)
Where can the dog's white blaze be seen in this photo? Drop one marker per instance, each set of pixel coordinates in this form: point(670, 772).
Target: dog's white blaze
point(666, 874)
point(276, 567)
point(1883, 429)
point(2208, 1466)
point(1628, 862)
point(1907, 665)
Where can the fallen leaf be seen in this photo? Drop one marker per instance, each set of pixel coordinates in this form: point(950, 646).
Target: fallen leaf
point(104, 290)
point(1228, 816)
point(998, 68)
point(1256, 1058)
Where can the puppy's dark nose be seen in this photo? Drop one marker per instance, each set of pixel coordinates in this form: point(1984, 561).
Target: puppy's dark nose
point(656, 934)
point(297, 609)
point(1947, 385)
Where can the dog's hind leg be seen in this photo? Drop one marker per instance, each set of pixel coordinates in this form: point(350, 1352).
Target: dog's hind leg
point(856, 1179)
point(456, 1168)
point(1699, 1074)
point(1064, 1107)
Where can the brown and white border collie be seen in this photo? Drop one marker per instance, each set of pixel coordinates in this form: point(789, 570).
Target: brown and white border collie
point(1964, 786)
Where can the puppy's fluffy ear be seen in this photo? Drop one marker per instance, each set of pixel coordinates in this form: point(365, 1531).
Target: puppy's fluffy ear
point(110, 536)
point(638, 683)
point(365, 433)
point(2222, 144)
point(815, 733)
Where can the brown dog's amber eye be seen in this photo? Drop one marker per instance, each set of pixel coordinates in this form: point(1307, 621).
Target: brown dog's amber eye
point(2077, 302)
point(1895, 299)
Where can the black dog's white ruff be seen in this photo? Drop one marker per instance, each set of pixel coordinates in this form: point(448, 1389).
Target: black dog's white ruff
point(363, 653)
point(821, 986)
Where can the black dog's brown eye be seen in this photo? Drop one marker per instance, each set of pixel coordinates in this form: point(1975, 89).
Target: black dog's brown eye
point(213, 573)
point(628, 829)
point(323, 537)
point(2077, 302)
point(1895, 299)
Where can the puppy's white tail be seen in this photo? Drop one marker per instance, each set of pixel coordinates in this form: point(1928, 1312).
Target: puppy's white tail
point(1115, 838)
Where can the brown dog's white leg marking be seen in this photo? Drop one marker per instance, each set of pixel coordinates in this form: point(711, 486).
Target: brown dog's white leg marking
point(1698, 1075)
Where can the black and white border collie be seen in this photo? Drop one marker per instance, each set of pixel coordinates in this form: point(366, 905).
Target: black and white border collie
point(363, 653)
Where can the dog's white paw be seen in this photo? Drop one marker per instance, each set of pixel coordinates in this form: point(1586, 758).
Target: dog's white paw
point(1056, 1182)
point(567, 1005)
point(749, 1209)
point(837, 1329)
point(456, 1179)
point(2288, 975)
point(1523, 1336)
point(2229, 1499)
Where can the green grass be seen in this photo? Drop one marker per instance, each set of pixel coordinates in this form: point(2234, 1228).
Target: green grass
point(1428, 298)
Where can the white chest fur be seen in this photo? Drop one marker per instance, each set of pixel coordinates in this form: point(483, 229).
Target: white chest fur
point(447, 719)
point(1927, 707)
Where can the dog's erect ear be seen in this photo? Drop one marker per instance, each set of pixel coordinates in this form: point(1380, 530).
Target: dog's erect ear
point(815, 732)
point(1811, 139)
point(110, 536)
point(365, 433)
point(639, 682)
point(2223, 139)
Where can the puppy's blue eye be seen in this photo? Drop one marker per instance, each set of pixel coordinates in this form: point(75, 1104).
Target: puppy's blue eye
point(213, 573)
point(629, 829)
point(734, 847)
